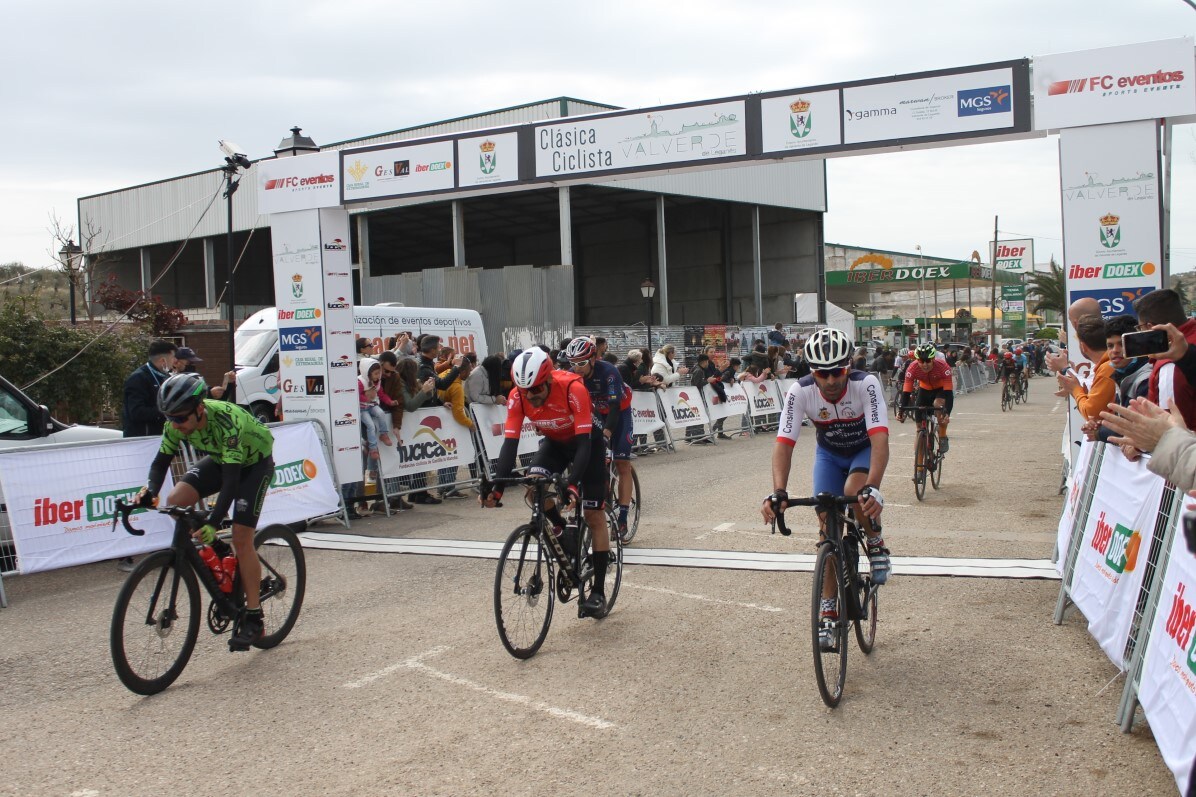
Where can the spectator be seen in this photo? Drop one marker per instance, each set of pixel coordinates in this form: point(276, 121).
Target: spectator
point(365, 347)
point(404, 346)
point(860, 361)
point(776, 335)
point(647, 379)
point(1092, 400)
point(1168, 384)
point(663, 366)
point(1080, 308)
point(483, 385)
point(706, 373)
point(185, 359)
point(611, 358)
point(753, 374)
point(415, 394)
point(454, 398)
point(800, 367)
point(392, 387)
point(759, 356)
point(1149, 428)
point(1132, 376)
point(600, 347)
point(139, 414)
point(428, 349)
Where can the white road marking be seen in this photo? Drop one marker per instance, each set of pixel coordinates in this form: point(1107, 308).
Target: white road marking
point(1058, 404)
point(417, 663)
point(703, 598)
point(719, 527)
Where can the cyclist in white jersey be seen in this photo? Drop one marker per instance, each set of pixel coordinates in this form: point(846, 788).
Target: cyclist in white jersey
point(851, 427)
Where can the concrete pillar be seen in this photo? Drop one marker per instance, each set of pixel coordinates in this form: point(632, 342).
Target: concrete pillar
point(662, 259)
point(209, 272)
point(147, 275)
point(757, 285)
point(363, 244)
point(566, 212)
point(458, 234)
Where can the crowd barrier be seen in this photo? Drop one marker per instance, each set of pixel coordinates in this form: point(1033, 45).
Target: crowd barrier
point(61, 498)
point(1125, 565)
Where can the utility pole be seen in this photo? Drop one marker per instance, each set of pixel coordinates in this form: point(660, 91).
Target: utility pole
point(992, 340)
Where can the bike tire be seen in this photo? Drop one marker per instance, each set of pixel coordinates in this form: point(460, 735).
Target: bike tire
point(284, 582)
point(865, 626)
point(633, 510)
point(830, 667)
point(1025, 391)
point(162, 647)
point(614, 569)
point(524, 593)
point(936, 473)
point(920, 466)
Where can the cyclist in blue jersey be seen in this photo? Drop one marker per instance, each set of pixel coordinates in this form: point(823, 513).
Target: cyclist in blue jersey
point(611, 401)
point(851, 453)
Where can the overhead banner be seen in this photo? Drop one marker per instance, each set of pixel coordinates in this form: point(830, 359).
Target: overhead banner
point(1013, 256)
point(303, 182)
point(488, 160)
point(61, 502)
point(645, 412)
point(1112, 230)
point(801, 121)
point(1108, 570)
point(302, 486)
point(1152, 80)
point(398, 170)
point(430, 439)
point(1167, 690)
point(736, 403)
point(634, 140)
point(683, 407)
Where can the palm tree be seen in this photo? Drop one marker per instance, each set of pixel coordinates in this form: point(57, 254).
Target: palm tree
point(1047, 290)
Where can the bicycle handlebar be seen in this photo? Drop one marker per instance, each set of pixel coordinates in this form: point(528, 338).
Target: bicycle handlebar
point(123, 510)
point(823, 500)
point(557, 480)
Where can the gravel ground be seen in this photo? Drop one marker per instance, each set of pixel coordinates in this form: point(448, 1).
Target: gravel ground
point(394, 681)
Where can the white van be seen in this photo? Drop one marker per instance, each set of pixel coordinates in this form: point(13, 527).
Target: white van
point(256, 343)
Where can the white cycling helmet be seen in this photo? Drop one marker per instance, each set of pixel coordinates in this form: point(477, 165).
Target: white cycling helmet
point(530, 368)
point(827, 348)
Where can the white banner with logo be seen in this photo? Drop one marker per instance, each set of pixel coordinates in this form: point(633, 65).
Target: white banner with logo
point(61, 501)
point(1167, 690)
point(302, 487)
point(1075, 488)
point(1151, 80)
point(800, 121)
point(783, 386)
point(736, 403)
point(1015, 256)
point(397, 170)
point(430, 439)
point(1108, 570)
point(645, 412)
point(763, 398)
point(683, 407)
point(490, 420)
point(304, 182)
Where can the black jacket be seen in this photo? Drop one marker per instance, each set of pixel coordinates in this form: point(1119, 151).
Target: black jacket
point(139, 415)
point(427, 368)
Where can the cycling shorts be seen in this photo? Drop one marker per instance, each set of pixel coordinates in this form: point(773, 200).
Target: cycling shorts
point(831, 469)
point(207, 475)
point(620, 437)
point(925, 398)
point(556, 457)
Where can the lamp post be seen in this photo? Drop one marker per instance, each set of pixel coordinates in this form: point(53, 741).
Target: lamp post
point(234, 161)
point(69, 256)
point(648, 290)
point(921, 288)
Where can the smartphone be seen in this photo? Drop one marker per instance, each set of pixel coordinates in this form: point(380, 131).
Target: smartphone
point(1152, 341)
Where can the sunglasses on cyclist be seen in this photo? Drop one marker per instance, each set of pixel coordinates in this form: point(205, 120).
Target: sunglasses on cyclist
point(538, 390)
point(180, 418)
point(829, 373)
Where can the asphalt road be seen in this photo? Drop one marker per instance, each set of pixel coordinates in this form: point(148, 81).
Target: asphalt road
point(394, 680)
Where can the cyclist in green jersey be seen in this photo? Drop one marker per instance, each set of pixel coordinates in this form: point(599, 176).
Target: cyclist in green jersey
point(237, 464)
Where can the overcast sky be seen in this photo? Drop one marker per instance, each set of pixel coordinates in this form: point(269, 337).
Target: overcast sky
point(103, 95)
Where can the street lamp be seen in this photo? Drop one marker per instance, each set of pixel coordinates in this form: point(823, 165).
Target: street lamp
point(921, 287)
point(69, 256)
point(648, 290)
point(234, 161)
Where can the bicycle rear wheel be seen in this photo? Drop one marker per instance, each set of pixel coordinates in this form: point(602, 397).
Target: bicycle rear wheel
point(524, 593)
point(633, 509)
point(865, 625)
point(920, 465)
point(284, 582)
point(1005, 403)
point(155, 624)
point(830, 666)
point(614, 567)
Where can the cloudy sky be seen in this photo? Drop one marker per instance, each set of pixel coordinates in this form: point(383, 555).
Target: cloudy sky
point(105, 95)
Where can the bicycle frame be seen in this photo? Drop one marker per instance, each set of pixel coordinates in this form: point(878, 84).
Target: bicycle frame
point(570, 567)
point(839, 527)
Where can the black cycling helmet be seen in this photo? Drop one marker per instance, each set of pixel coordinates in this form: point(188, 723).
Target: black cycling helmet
point(181, 393)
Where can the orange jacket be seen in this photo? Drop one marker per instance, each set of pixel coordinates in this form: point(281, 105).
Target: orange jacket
point(1092, 401)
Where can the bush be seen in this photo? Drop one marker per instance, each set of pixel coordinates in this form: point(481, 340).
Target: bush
point(32, 345)
point(1047, 333)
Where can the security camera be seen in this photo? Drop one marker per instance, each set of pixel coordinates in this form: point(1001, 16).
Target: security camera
point(233, 154)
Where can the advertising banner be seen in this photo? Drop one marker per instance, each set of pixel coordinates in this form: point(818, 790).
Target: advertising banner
point(953, 104)
point(736, 403)
point(299, 296)
point(1108, 571)
point(61, 502)
point(489, 420)
point(430, 439)
point(1075, 486)
point(1151, 80)
point(683, 407)
point(645, 413)
point(398, 170)
point(1112, 235)
point(763, 398)
point(1014, 256)
point(304, 182)
point(1167, 690)
point(633, 140)
point(783, 386)
point(302, 487)
point(801, 121)
point(341, 377)
point(488, 160)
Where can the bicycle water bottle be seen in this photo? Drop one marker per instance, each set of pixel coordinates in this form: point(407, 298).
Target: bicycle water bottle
point(229, 565)
point(213, 562)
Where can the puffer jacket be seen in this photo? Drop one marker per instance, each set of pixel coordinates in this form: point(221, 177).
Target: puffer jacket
point(664, 369)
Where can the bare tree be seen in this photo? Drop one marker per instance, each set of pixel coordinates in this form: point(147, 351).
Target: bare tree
point(81, 271)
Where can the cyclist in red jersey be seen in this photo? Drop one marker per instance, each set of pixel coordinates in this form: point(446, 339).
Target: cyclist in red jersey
point(935, 387)
point(558, 405)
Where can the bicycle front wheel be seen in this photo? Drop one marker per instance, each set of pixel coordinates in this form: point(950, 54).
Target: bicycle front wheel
point(920, 455)
point(284, 582)
point(155, 624)
point(936, 458)
point(633, 509)
point(614, 567)
point(524, 593)
point(830, 663)
point(865, 625)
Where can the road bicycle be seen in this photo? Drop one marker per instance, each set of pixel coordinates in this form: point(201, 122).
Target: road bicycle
point(612, 503)
point(536, 568)
point(1023, 388)
point(155, 623)
point(1007, 395)
point(840, 553)
point(928, 459)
